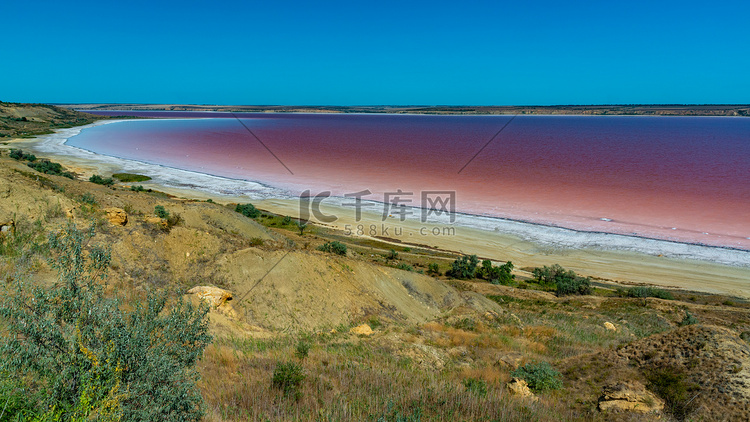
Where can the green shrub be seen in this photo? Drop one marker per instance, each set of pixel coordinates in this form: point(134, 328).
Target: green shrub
point(548, 275)
point(130, 177)
point(49, 167)
point(689, 319)
point(496, 275)
point(540, 376)
point(476, 386)
point(404, 266)
point(573, 286)
point(287, 220)
point(433, 268)
point(99, 180)
point(392, 254)
point(248, 210)
point(161, 212)
point(333, 247)
point(302, 349)
point(464, 267)
point(18, 154)
point(88, 198)
point(565, 282)
point(78, 354)
point(138, 188)
point(644, 292)
point(288, 377)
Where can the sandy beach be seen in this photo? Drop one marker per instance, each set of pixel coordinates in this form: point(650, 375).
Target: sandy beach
point(619, 266)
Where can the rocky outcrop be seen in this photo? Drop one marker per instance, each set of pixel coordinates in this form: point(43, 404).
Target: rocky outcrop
point(520, 388)
point(214, 296)
point(609, 326)
point(156, 221)
point(7, 227)
point(117, 216)
point(362, 330)
point(629, 396)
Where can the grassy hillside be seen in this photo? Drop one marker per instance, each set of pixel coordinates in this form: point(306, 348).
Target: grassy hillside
point(291, 343)
point(27, 120)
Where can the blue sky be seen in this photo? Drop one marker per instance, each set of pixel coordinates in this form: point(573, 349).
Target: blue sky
point(385, 52)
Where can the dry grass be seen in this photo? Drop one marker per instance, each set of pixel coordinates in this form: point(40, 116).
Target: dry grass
point(354, 379)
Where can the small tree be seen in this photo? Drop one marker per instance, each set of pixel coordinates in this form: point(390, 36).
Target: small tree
point(248, 210)
point(301, 226)
point(464, 267)
point(505, 273)
point(565, 282)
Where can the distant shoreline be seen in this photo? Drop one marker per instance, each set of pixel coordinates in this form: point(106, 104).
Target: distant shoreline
point(738, 110)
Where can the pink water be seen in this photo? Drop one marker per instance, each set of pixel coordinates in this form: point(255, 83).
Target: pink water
point(677, 178)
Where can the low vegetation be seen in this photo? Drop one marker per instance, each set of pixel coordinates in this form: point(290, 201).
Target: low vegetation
point(130, 177)
point(42, 166)
point(76, 354)
point(288, 377)
point(99, 180)
point(19, 155)
point(404, 266)
point(334, 247)
point(672, 385)
point(161, 212)
point(540, 376)
point(433, 269)
point(645, 292)
point(50, 167)
point(689, 319)
point(565, 282)
point(248, 210)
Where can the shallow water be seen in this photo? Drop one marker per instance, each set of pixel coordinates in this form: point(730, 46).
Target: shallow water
point(675, 178)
